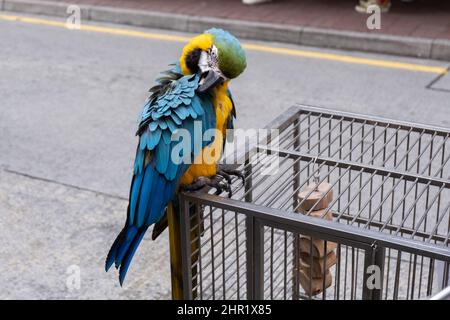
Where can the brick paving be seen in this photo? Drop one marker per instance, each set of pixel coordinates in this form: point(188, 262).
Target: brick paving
point(421, 18)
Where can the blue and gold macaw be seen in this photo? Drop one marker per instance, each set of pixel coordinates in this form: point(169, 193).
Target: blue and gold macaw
point(195, 89)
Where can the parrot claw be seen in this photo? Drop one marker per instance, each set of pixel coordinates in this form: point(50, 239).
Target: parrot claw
point(227, 171)
point(217, 182)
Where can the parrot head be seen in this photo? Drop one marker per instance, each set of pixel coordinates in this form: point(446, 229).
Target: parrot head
point(216, 55)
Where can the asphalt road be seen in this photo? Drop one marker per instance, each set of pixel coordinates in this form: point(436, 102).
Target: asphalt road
point(69, 106)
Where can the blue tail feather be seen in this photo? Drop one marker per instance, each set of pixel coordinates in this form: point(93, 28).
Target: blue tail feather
point(129, 254)
point(130, 233)
point(123, 250)
point(113, 251)
point(144, 209)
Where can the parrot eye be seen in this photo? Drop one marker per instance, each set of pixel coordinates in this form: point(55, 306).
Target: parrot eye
point(213, 51)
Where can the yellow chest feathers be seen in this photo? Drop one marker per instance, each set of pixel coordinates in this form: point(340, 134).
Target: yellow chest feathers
point(205, 162)
point(222, 105)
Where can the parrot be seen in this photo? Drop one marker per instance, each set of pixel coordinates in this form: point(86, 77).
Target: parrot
point(193, 93)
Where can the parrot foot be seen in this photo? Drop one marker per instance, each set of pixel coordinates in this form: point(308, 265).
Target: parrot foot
point(217, 182)
point(227, 171)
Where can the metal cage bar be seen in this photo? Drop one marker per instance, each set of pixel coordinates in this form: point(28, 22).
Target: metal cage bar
point(390, 209)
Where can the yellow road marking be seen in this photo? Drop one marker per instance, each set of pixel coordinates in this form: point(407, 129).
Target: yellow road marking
point(349, 59)
point(85, 27)
point(254, 47)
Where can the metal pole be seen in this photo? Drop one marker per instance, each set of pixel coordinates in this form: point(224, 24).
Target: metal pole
point(249, 230)
point(373, 267)
point(380, 254)
point(175, 253)
point(258, 258)
point(295, 202)
point(255, 258)
point(248, 177)
point(194, 236)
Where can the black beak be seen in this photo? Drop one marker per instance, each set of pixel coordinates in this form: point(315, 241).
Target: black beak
point(209, 79)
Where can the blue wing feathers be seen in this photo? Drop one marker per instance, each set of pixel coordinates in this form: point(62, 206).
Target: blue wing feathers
point(171, 125)
point(176, 118)
point(143, 142)
point(153, 139)
point(144, 195)
point(155, 181)
point(135, 191)
point(139, 162)
point(171, 171)
point(162, 157)
point(166, 135)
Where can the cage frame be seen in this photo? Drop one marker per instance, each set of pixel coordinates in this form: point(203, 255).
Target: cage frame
point(372, 243)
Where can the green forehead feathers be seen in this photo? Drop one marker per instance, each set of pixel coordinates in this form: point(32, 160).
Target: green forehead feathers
point(232, 60)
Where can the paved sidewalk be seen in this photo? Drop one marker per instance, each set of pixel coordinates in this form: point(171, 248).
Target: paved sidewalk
point(418, 29)
point(421, 18)
point(56, 232)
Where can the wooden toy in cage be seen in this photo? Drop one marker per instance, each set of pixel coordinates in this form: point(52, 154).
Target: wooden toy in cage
point(316, 256)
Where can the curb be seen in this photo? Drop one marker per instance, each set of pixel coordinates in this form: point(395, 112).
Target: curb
point(438, 49)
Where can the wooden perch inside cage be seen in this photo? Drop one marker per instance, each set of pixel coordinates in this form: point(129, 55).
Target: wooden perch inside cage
point(316, 256)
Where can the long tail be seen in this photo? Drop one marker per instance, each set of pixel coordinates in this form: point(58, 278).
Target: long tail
point(150, 193)
point(123, 249)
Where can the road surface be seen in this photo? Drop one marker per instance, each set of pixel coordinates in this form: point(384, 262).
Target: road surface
point(69, 106)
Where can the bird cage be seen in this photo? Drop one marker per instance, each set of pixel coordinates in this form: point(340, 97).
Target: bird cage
point(382, 230)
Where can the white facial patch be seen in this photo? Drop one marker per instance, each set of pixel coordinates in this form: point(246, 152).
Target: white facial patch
point(209, 60)
point(203, 64)
point(214, 57)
